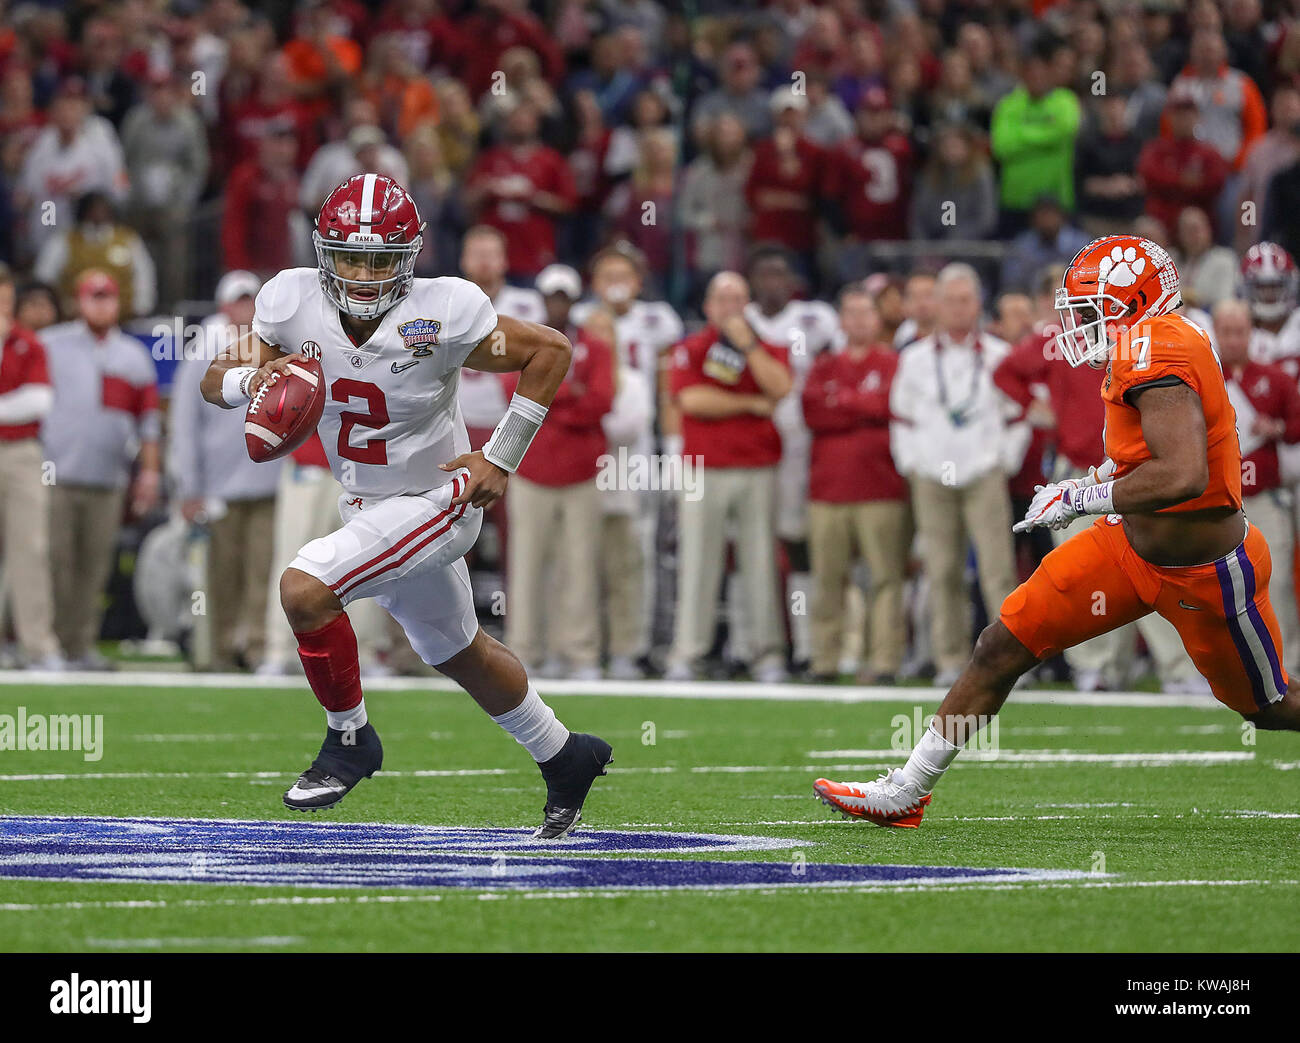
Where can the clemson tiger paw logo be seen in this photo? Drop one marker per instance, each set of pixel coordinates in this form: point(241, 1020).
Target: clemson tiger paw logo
point(1121, 267)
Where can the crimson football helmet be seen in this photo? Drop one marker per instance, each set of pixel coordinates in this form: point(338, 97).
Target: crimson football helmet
point(1113, 284)
point(367, 237)
point(1272, 281)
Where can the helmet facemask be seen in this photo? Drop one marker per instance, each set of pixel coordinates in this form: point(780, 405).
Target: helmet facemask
point(365, 279)
point(1084, 337)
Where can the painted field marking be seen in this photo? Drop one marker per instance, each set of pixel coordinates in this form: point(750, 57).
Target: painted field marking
point(315, 854)
point(1060, 756)
point(268, 941)
point(404, 899)
point(743, 690)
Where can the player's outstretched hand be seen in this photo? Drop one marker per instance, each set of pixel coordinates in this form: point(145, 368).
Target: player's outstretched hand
point(272, 370)
point(1052, 506)
point(487, 481)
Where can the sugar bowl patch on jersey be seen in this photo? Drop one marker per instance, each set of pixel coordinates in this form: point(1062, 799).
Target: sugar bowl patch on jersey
point(420, 335)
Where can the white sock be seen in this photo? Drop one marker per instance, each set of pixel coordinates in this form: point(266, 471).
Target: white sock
point(929, 760)
point(342, 721)
point(535, 727)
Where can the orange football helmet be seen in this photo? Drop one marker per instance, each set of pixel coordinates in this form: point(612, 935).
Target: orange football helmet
point(1113, 284)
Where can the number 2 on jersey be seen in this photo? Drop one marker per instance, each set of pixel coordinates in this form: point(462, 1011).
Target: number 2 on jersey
point(375, 450)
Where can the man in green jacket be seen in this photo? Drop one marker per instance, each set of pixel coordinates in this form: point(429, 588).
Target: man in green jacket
point(1034, 129)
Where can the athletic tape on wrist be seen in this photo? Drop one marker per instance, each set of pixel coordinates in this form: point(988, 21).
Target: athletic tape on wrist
point(234, 385)
point(515, 433)
point(1095, 499)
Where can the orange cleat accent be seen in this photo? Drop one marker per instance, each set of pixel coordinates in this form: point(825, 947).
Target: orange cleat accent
point(885, 802)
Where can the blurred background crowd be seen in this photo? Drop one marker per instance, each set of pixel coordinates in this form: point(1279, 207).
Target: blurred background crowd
point(805, 250)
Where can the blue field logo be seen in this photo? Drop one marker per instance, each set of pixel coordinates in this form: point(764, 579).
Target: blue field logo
point(347, 854)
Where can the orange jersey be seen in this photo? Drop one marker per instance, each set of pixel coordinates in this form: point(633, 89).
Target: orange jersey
point(1158, 353)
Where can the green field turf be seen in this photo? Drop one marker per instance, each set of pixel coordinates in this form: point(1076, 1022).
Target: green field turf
point(1197, 856)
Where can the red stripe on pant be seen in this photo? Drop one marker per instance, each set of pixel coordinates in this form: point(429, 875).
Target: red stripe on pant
point(419, 546)
point(339, 584)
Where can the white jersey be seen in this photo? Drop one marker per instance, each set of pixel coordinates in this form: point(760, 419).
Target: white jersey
point(645, 331)
point(1282, 347)
point(392, 415)
point(804, 328)
point(482, 398)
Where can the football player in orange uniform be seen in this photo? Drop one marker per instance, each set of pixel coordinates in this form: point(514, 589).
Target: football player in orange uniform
point(1171, 537)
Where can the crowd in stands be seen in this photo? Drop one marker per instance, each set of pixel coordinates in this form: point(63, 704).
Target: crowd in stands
point(805, 252)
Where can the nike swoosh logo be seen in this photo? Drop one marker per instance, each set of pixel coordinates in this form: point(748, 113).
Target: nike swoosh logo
point(397, 367)
point(276, 408)
point(1190, 608)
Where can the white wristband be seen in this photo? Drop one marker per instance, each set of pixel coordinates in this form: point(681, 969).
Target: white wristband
point(1095, 499)
point(515, 433)
point(234, 385)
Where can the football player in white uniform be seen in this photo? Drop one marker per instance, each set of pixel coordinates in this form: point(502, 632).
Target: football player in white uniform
point(644, 331)
point(805, 328)
point(391, 348)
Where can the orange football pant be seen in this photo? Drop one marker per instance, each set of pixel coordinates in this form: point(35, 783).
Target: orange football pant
point(1095, 582)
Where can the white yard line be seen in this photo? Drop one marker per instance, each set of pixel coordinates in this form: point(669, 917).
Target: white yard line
point(871, 760)
point(268, 941)
point(748, 690)
point(1081, 883)
point(1057, 756)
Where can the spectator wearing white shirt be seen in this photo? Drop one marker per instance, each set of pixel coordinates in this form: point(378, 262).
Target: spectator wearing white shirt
point(103, 424)
point(805, 328)
point(950, 439)
point(218, 485)
point(76, 153)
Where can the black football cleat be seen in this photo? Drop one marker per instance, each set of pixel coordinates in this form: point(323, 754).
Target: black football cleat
point(337, 768)
point(569, 775)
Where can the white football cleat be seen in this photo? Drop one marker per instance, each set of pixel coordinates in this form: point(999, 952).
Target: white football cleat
point(888, 801)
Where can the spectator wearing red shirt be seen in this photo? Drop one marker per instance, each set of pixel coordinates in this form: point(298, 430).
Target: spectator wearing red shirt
point(873, 173)
point(246, 119)
point(1267, 405)
point(1180, 170)
point(494, 28)
point(554, 505)
point(25, 397)
point(521, 187)
point(260, 197)
point(858, 500)
point(726, 384)
point(787, 179)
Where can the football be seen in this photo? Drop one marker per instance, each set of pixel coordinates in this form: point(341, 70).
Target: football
point(285, 411)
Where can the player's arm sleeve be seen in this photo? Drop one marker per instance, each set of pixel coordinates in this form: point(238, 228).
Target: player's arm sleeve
point(272, 309)
point(471, 319)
